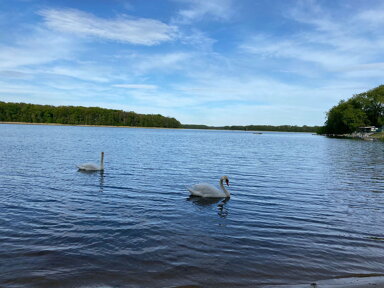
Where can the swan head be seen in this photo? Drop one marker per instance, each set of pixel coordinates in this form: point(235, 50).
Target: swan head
point(226, 180)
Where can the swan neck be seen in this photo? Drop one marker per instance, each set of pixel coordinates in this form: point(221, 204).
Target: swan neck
point(223, 188)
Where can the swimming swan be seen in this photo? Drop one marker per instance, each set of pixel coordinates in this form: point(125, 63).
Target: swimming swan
point(209, 191)
point(91, 166)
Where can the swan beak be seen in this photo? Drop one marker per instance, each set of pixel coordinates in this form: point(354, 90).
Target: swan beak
point(227, 181)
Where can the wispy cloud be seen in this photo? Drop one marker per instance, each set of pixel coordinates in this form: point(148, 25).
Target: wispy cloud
point(328, 43)
point(81, 72)
point(140, 31)
point(201, 9)
point(373, 17)
point(300, 49)
point(166, 62)
point(197, 39)
point(136, 86)
point(39, 47)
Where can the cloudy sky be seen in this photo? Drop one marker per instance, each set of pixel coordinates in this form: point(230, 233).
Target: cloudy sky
point(214, 62)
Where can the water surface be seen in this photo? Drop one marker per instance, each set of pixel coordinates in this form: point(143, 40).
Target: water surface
point(303, 208)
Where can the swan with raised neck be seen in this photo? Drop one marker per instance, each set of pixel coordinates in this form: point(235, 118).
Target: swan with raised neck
point(208, 191)
point(92, 166)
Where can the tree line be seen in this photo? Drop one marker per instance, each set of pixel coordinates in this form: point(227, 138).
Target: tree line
point(78, 115)
point(281, 128)
point(364, 109)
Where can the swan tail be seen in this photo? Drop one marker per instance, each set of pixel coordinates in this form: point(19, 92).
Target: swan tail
point(194, 192)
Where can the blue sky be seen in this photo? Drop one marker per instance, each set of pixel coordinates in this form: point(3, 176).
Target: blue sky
point(214, 62)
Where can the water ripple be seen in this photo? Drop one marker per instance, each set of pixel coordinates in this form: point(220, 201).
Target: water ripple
point(303, 208)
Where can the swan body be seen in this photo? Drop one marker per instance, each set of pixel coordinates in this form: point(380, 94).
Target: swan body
point(92, 166)
point(208, 191)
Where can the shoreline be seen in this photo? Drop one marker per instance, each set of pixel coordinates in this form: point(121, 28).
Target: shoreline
point(358, 136)
point(181, 128)
point(81, 125)
point(363, 281)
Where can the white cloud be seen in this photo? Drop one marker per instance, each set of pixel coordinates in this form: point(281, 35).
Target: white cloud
point(39, 47)
point(300, 49)
point(203, 9)
point(326, 42)
point(372, 17)
point(79, 72)
point(310, 12)
point(12, 74)
point(141, 31)
point(30, 93)
point(244, 89)
point(197, 39)
point(166, 62)
point(136, 86)
point(162, 99)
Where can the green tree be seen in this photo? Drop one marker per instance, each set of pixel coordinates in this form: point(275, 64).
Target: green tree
point(344, 118)
point(362, 109)
point(372, 103)
point(21, 112)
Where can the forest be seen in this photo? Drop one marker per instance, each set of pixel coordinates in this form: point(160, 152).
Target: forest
point(364, 109)
point(77, 115)
point(281, 128)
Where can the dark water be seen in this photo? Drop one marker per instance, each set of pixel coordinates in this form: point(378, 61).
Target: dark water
point(303, 208)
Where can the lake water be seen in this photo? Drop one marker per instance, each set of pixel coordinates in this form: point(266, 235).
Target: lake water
point(303, 208)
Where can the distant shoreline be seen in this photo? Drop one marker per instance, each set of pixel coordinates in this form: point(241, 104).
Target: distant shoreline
point(36, 114)
point(81, 125)
point(137, 127)
point(361, 136)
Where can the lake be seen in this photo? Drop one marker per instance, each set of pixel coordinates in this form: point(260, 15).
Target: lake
point(302, 208)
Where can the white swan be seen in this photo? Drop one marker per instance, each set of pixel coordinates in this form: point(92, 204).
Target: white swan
point(91, 166)
point(209, 191)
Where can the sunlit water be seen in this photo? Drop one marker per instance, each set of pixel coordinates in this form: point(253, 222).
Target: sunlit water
point(303, 208)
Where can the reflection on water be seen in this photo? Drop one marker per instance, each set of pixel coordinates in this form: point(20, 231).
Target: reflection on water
point(306, 208)
point(99, 173)
point(221, 207)
point(101, 181)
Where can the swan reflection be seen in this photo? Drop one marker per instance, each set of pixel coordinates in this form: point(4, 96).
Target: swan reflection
point(205, 202)
point(94, 174)
point(101, 181)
